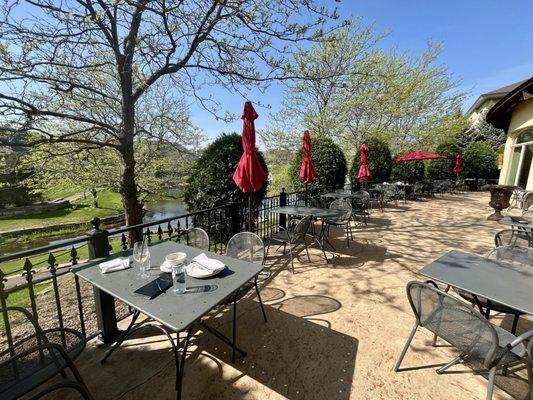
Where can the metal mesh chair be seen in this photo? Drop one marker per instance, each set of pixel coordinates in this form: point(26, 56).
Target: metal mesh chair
point(361, 204)
point(391, 193)
point(37, 358)
point(194, 237)
point(527, 204)
point(343, 220)
point(293, 235)
point(246, 246)
point(513, 254)
point(513, 237)
point(467, 330)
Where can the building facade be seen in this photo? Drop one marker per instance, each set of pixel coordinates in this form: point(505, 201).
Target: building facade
point(514, 114)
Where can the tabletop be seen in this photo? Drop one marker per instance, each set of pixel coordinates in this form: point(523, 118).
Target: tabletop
point(507, 284)
point(516, 224)
point(307, 210)
point(340, 195)
point(174, 311)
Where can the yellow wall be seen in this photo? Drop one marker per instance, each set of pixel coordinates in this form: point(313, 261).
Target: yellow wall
point(521, 120)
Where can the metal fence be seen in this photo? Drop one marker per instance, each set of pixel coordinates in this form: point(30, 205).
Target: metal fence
point(40, 278)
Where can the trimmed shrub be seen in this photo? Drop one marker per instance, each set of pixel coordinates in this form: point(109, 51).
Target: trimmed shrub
point(411, 172)
point(443, 169)
point(329, 162)
point(210, 182)
point(479, 161)
point(379, 161)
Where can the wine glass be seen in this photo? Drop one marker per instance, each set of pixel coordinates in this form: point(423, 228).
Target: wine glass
point(141, 254)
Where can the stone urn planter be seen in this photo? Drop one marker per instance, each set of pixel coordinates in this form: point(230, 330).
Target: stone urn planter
point(499, 200)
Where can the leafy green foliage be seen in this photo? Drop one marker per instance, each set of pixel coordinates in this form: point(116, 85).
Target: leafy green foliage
point(411, 172)
point(379, 161)
point(13, 189)
point(210, 182)
point(479, 161)
point(329, 162)
point(443, 169)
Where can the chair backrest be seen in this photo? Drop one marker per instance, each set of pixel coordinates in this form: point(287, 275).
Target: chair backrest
point(299, 230)
point(342, 205)
point(513, 254)
point(363, 196)
point(195, 237)
point(246, 246)
point(527, 202)
point(454, 321)
point(513, 237)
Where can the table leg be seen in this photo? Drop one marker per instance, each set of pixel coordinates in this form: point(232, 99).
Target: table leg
point(180, 365)
point(221, 336)
point(105, 315)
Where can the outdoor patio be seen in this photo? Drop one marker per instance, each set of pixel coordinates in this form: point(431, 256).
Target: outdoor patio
point(334, 332)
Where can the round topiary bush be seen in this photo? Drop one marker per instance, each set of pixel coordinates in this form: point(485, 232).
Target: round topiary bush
point(443, 169)
point(329, 162)
point(411, 172)
point(479, 161)
point(210, 182)
point(379, 161)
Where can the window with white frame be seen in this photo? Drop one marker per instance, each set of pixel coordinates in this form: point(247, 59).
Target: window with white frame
point(521, 157)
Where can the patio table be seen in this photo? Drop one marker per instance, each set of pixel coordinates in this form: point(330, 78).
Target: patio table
point(506, 284)
point(333, 195)
point(174, 313)
point(515, 224)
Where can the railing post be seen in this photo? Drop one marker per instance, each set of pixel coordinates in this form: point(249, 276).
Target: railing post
point(104, 303)
point(235, 219)
point(283, 202)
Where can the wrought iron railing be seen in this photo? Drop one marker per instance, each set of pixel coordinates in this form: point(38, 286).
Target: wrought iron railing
point(56, 297)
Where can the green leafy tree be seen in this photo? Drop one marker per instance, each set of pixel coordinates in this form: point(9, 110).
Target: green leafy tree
point(14, 190)
point(479, 161)
point(329, 162)
point(379, 161)
point(411, 172)
point(443, 169)
point(210, 182)
point(83, 71)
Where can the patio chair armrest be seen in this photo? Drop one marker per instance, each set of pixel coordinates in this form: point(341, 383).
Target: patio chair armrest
point(519, 339)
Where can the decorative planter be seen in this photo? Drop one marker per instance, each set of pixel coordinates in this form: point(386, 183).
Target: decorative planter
point(499, 200)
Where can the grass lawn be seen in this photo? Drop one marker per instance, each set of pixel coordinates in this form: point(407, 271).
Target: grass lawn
point(61, 192)
point(109, 204)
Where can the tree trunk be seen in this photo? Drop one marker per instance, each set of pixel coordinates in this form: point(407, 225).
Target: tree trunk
point(128, 190)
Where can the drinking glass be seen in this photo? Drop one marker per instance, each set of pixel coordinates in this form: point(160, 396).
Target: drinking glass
point(178, 277)
point(141, 254)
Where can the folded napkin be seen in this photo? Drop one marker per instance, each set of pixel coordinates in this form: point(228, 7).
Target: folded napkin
point(115, 265)
point(208, 263)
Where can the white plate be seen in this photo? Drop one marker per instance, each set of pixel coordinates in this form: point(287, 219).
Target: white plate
point(195, 270)
point(166, 267)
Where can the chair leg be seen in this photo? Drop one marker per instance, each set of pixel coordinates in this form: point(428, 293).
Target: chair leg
point(530, 380)
point(290, 255)
point(407, 344)
point(490, 385)
point(515, 324)
point(456, 360)
point(234, 341)
point(306, 249)
point(347, 237)
point(260, 301)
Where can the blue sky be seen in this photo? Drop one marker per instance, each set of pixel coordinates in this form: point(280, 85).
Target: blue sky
point(486, 43)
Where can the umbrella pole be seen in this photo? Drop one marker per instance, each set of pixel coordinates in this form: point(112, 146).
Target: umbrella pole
point(250, 212)
point(306, 202)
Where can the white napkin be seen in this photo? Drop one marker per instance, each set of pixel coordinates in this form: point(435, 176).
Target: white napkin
point(116, 264)
point(208, 263)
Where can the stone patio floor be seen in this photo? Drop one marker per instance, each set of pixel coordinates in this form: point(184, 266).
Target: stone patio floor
point(334, 331)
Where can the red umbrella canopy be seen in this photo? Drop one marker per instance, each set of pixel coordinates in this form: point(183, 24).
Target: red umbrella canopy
point(249, 175)
point(458, 164)
point(418, 155)
point(364, 171)
point(307, 169)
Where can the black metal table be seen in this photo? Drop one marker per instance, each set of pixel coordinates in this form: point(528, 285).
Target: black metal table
point(174, 313)
point(519, 225)
point(509, 285)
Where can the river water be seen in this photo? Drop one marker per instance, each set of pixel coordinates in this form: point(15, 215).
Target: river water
point(155, 210)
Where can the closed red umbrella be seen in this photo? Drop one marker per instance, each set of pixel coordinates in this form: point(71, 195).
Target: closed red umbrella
point(458, 164)
point(364, 171)
point(418, 155)
point(307, 169)
point(249, 175)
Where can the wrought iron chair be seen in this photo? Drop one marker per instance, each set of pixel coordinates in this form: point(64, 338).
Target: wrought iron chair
point(527, 204)
point(361, 205)
point(39, 357)
point(466, 329)
point(293, 235)
point(246, 246)
point(344, 220)
point(194, 237)
point(513, 237)
point(391, 193)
